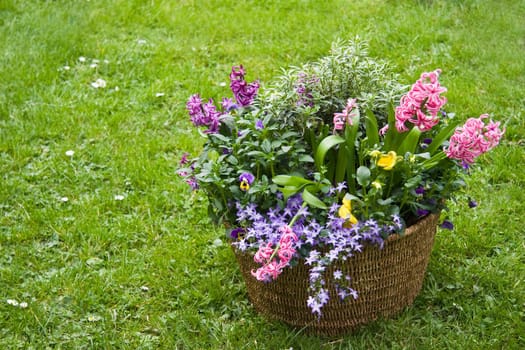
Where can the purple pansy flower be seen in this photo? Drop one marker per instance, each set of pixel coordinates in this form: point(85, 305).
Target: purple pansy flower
point(447, 225)
point(203, 114)
point(246, 179)
point(422, 212)
point(420, 190)
point(237, 232)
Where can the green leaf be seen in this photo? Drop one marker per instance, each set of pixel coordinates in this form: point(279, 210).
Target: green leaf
point(215, 137)
point(340, 166)
point(326, 144)
point(444, 134)
point(313, 200)
point(410, 142)
point(256, 154)
point(266, 146)
point(232, 160)
point(387, 201)
point(289, 191)
point(351, 197)
point(372, 131)
point(393, 138)
point(413, 182)
point(305, 158)
point(389, 137)
point(350, 136)
point(288, 180)
point(363, 175)
point(434, 160)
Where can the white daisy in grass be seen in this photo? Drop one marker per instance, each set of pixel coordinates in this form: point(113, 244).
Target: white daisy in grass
point(70, 153)
point(99, 83)
point(119, 197)
point(94, 318)
point(12, 302)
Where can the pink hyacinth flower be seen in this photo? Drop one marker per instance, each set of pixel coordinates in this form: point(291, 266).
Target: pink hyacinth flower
point(346, 115)
point(421, 105)
point(473, 139)
point(283, 253)
point(263, 254)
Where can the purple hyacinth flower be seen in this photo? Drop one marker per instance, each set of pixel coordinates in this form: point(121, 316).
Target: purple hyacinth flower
point(244, 93)
point(193, 183)
point(184, 159)
point(259, 124)
point(472, 203)
point(194, 105)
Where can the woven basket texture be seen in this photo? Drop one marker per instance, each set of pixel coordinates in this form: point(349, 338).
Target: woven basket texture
point(387, 280)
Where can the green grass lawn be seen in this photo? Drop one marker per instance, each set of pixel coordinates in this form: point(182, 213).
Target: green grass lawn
point(102, 246)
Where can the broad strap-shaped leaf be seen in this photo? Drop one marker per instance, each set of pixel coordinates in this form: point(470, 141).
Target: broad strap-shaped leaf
point(410, 142)
point(393, 138)
point(434, 160)
point(389, 137)
point(350, 136)
point(372, 131)
point(341, 168)
point(443, 135)
point(328, 143)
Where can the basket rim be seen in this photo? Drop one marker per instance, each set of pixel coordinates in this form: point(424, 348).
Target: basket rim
point(413, 228)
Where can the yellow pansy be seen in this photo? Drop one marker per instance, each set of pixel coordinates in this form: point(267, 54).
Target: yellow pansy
point(345, 212)
point(387, 161)
point(245, 186)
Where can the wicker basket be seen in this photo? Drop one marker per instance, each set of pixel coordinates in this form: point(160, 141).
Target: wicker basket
point(387, 281)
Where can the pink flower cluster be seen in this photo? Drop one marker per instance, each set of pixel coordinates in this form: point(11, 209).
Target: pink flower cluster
point(422, 103)
point(244, 92)
point(473, 139)
point(273, 260)
point(204, 114)
point(345, 116)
